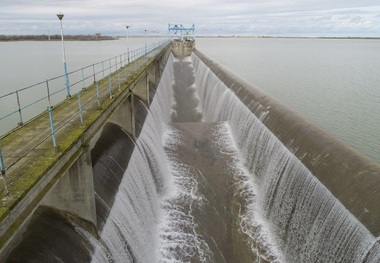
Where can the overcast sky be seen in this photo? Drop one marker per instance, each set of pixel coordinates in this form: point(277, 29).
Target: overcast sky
point(211, 17)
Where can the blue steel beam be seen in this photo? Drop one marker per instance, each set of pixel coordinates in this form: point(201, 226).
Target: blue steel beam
point(183, 31)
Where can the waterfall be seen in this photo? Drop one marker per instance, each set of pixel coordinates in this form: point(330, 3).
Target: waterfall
point(110, 159)
point(223, 189)
point(130, 233)
point(310, 224)
point(170, 208)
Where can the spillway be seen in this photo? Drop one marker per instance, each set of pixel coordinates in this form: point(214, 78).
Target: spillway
point(215, 177)
point(209, 182)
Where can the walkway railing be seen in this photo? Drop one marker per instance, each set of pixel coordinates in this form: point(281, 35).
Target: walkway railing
point(25, 105)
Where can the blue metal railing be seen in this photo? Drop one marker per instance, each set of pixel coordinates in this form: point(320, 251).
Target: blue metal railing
point(28, 106)
point(24, 104)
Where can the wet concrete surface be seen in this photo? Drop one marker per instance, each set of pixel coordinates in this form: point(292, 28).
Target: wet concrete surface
point(211, 166)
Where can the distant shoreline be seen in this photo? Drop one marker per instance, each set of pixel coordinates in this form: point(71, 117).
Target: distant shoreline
point(236, 36)
point(96, 37)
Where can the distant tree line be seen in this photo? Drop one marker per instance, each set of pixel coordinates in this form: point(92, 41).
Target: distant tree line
point(96, 36)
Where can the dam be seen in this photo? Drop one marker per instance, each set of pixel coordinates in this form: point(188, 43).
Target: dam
point(196, 165)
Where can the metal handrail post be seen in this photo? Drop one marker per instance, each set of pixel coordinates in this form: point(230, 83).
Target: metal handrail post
point(110, 85)
point(50, 110)
point(118, 78)
point(19, 109)
point(3, 175)
point(84, 87)
point(48, 92)
point(134, 60)
point(98, 93)
point(103, 68)
point(109, 62)
point(93, 72)
point(80, 110)
point(138, 59)
point(2, 166)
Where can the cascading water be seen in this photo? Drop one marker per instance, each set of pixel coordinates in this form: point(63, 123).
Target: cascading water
point(211, 187)
point(130, 233)
point(208, 182)
point(110, 159)
point(310, 223)
point(181, 197)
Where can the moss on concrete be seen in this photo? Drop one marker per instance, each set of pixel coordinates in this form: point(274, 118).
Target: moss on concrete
point(3, 212)
point(38, 160)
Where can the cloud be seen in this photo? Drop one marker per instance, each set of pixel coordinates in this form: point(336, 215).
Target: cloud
point(257, 17)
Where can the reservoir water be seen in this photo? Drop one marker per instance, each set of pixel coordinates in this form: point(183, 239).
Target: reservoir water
point(335, 83)
point(24, 63)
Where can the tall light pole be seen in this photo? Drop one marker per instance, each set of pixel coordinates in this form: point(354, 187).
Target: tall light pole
point(145, 41)
point(127, 42)
point(60, 17)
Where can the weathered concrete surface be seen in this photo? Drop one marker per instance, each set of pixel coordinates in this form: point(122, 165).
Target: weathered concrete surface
point(142, 89)
point(48, 230)
point(75, 190)
point(41, 167)
point(124, 116)
point(353, 178)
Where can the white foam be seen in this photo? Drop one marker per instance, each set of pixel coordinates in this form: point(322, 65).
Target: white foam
point(179, 240)
point(309, 223)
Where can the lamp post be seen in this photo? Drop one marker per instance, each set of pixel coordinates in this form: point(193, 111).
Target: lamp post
point(60, 17)
point(127, 42)
point(145, 41)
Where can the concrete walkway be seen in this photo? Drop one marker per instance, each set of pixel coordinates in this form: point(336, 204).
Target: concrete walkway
point(28, 151)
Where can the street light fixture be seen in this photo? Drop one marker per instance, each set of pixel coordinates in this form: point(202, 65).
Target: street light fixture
point(145, 41)
point(60, 17)
point(127, 42)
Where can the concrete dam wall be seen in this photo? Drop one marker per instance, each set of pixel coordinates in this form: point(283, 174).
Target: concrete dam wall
point(216, 172)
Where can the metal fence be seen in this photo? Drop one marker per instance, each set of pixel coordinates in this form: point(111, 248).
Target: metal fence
point(24, 105)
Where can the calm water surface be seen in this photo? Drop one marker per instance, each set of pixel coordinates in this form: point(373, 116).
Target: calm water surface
point(25, 63)
point(335, 83)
